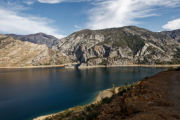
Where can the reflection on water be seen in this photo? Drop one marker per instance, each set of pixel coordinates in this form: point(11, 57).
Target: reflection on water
point(25, 93)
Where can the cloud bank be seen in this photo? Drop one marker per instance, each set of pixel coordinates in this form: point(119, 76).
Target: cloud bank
point(13, 22)
point(117, 13)
point(172, 25)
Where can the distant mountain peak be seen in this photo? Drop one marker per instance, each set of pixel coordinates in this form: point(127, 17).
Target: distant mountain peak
point(37, 38)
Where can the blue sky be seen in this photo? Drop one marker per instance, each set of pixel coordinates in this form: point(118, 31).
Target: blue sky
point(62, 17)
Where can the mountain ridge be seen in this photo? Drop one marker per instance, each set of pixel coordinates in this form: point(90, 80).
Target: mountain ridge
point(113, 46)
point(37, 38)
point(124, 45)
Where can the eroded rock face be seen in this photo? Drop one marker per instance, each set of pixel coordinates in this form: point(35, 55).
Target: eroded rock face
point(116, 46)
point(15, 53)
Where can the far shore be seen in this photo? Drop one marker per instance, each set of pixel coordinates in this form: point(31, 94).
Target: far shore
point(40, 66)
point(66, 66)
point(132, 65)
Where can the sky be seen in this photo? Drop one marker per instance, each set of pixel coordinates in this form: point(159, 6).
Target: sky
point(63, 17)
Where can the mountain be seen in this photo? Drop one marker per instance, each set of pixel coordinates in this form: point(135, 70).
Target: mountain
point(175, 34)
point(15, 53)
point(114, 46)
point(38, 38)
point(117, 46)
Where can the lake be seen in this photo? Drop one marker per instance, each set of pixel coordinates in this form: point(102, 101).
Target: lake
point(28, 93)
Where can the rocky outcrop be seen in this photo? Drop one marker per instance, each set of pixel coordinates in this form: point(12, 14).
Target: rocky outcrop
point(38, 38)
point(15, 53)
point(116, 46)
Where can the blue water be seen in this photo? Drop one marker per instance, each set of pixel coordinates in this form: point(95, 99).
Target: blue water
point(28, 93)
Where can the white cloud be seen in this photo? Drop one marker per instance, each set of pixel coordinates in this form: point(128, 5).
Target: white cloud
point(29, 2)
point(172, 25)
point(50, 1)
point(59, 1)
point(117, 13)
point(13, 22)
point(77, 26)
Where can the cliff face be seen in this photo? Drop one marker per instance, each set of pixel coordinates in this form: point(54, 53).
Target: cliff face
point(15, 53)
point(38, 38)
point(126, 45)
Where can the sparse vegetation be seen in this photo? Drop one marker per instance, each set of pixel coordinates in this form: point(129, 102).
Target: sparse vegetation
point(123, 39)
point(104, 62)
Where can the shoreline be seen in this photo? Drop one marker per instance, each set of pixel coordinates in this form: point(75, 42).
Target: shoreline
point(28, 67)
point(95, 66)
point(158, 92)
point(133, 65)
point(107, 93)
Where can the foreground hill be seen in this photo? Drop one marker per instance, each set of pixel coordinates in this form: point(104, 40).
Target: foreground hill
point(154, 98)
point(38, 38)
point(15, 53)
point(116, 46)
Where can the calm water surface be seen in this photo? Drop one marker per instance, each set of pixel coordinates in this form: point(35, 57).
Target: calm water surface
point(28, 93)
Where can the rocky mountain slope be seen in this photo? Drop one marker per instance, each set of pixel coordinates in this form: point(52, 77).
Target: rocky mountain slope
point(15, 53)
point(38, 38)
point(116, 46)
point(175, 34)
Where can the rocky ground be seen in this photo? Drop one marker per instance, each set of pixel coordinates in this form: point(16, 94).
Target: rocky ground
point(154, 98)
